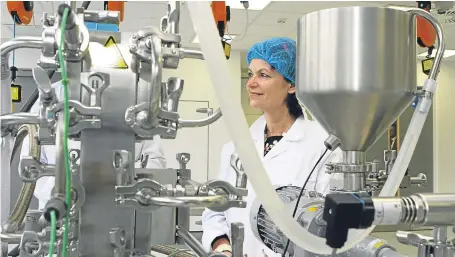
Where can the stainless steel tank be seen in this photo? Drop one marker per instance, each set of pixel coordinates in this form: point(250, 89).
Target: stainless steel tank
point(356, 70)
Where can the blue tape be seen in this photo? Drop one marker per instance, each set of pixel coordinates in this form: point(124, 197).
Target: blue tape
point(93, 26)
point(360, 200)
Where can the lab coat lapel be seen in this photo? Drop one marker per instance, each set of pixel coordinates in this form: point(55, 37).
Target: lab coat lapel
point(294, 134)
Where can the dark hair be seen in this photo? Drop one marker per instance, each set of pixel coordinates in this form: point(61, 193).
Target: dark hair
point(294, 106)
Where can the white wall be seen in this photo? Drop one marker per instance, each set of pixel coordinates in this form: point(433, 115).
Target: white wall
point(25, 58)
point(443, 127)
point(198, 86)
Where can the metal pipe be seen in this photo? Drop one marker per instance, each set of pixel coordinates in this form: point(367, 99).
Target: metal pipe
point(191, 241)
point(20, 42)
point(191, 53)
point(190, 201)
point(20, 209)
point(439, 32)
point(202, 122)
point(18, 119)
point(155, 86)
point(60, 174)
point(174, 16)
point(441, 44)
point(10, 238)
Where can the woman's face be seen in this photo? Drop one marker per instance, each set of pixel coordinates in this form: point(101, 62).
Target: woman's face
point(267, 89)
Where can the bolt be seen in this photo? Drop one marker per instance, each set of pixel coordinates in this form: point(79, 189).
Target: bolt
point(133, 47)
point(134, 36)
point(95, 82)
point(174, 51)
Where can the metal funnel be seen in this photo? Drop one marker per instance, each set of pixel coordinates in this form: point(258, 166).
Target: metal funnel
point(356, 70)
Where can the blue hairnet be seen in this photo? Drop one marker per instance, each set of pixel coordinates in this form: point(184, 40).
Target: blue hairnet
point(279, 53)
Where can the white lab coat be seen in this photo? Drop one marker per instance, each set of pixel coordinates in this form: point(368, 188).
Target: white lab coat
point(288, 163)
point(44, 185)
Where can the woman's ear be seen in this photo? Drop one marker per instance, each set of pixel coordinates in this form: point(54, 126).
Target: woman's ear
point(291, 89)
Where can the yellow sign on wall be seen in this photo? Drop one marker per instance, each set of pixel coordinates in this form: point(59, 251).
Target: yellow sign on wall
point(16, 93)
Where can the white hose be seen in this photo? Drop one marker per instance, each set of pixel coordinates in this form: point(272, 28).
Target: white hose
point(236, 123)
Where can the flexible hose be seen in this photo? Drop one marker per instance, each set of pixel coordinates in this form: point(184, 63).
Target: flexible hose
point(23, 202)
point(172, 251)
point(66, 12)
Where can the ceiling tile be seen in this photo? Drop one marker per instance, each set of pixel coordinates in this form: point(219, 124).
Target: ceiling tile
point(239, 16)
point(307, 7)
point(269, 18)
point(272, 31)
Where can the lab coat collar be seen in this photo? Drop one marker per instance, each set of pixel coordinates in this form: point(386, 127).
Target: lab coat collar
point(295, 134)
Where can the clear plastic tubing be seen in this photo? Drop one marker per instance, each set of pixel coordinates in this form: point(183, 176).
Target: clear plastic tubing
point(236, 123)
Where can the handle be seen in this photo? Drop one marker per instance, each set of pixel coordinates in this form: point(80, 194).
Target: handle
point(439, 32)
point(202, 122)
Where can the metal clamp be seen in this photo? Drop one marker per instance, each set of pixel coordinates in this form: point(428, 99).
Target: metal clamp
point(31, 170)
point(80, 108)
point(163, 131)
point(138, 194)
point(141, 48)
point(223, 185)
point(30, 238)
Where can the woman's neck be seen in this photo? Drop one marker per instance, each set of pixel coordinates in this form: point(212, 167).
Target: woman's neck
point(278, 122)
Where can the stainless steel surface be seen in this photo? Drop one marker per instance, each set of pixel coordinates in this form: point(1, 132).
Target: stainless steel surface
point(354, 157)
point(99, 214)
point(354, 67)
point(192, 242)
point(353, 182)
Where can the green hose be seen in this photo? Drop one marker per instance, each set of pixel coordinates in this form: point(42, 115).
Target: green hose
point(65, 145)
point(53, 230)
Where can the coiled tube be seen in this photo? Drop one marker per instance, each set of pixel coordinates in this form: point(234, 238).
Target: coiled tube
point(23, 202)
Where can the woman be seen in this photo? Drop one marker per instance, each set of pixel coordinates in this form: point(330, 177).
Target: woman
point(289, 144)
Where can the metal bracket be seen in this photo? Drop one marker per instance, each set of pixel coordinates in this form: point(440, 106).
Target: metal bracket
point(117, 237)
point(31, 170)
point(97, 82)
